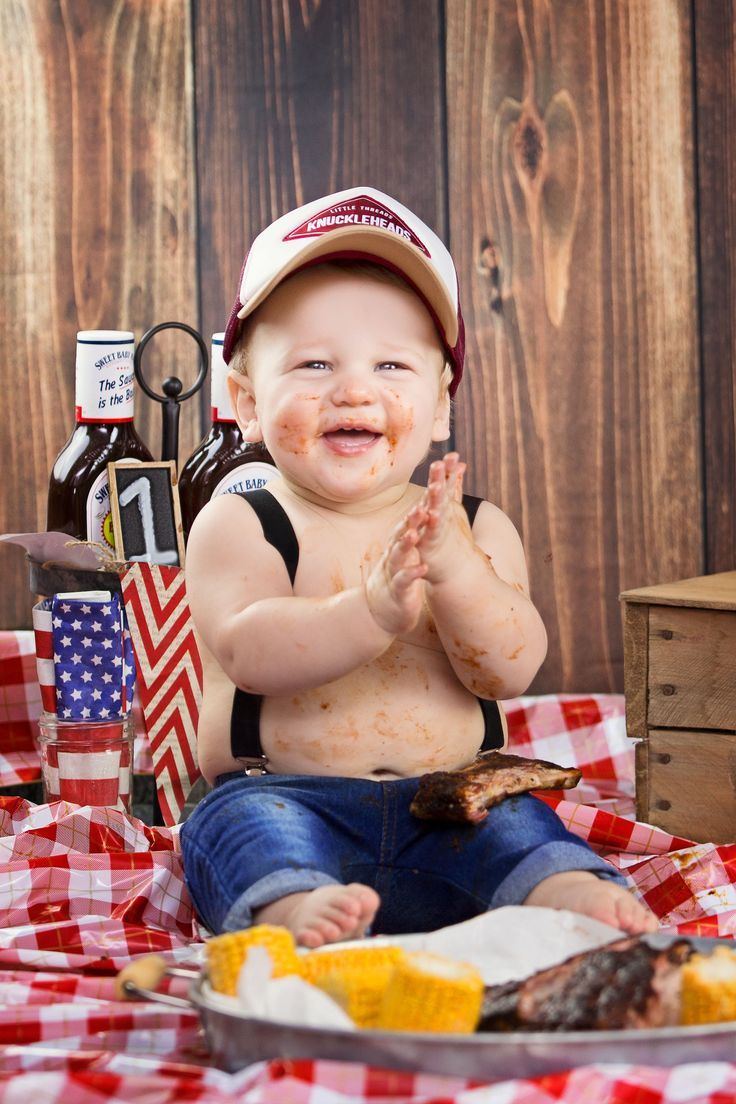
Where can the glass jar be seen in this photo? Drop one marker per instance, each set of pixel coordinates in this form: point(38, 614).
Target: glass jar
point(87, 762)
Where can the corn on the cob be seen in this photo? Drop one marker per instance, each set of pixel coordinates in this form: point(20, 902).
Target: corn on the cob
point(709, 987)
point(227, 953)
point(356, 977)
point(427, 992)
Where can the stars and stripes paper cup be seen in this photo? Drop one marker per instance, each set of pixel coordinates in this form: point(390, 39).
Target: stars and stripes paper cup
point(87, 762)
point(84, 656)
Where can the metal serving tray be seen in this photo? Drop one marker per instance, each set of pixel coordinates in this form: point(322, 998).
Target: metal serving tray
point(237, 1041)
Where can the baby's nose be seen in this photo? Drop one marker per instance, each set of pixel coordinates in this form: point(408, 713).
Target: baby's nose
point(353, 391)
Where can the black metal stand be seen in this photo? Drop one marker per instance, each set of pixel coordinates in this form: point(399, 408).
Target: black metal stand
point(172, 396)
point(171, 401)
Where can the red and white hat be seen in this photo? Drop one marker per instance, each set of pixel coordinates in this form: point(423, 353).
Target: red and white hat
point(356, 224)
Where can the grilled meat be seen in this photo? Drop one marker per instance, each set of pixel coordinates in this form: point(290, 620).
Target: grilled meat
point(624, 984)
point(467, 794)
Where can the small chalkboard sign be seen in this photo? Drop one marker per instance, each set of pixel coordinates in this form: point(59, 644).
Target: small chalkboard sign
point(146, 518)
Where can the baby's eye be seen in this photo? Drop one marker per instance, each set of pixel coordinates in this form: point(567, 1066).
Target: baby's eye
point(317, 365)
point(390, 366)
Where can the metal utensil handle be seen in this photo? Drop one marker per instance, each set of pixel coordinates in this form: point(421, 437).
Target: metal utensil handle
point(132, 990)
point(141, 976)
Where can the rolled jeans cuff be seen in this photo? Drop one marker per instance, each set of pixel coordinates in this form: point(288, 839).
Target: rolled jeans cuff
point(271, 888)
point(556, 857)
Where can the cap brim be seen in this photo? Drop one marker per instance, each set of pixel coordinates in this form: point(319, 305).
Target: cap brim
point(383, 245)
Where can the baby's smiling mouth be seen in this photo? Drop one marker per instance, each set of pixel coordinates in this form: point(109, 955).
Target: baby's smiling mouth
point(347, 439)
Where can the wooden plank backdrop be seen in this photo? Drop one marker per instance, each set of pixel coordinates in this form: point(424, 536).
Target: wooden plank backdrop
point(553, 145)
point(303, 98)
point(715, 56)
point(97, 217)
point(576, 251)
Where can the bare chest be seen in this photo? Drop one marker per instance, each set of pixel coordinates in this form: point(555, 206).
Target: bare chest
point(335, 559)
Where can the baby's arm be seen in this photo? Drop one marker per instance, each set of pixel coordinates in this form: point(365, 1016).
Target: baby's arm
point(477, 590)
point(267, 640)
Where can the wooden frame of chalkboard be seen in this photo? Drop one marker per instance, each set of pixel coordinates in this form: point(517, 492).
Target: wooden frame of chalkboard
point(146, 516)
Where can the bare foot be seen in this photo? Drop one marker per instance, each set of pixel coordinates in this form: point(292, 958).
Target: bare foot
point(581, 891)
point(324, 915)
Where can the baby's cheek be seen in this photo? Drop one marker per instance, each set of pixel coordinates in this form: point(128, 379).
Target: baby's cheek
point(291, 436)
point(289, 424)
point(400, 425)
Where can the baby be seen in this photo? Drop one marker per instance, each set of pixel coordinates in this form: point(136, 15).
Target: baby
point(357, 629)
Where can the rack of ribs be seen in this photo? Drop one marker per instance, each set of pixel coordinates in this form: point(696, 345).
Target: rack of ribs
point(467, 794)
point(624, 984)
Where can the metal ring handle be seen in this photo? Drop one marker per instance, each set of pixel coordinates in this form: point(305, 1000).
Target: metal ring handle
point(165, 398)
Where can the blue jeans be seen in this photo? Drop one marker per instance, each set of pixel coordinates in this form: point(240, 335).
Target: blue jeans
point(254, 840)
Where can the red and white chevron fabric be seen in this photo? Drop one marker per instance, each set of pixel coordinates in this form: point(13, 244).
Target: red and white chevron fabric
point(169, 677)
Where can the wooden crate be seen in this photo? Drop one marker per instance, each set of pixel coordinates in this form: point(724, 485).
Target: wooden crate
point(680, 685)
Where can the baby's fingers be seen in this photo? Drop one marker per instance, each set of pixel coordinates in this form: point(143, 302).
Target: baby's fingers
point(445, 483)
point(404, 578)
point(403, 551)
point(413, 520)
point(455, 469)
point(459, 476)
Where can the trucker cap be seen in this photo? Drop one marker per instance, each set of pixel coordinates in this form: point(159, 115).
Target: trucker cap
point(355, 224)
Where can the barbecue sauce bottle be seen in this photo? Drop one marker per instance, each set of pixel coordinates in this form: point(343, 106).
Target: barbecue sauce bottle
point(223, 463)
point(79, 493)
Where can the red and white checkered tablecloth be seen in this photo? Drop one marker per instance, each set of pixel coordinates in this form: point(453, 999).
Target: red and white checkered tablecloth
point(115, 1074)
point(83, 890)
point(20, 706)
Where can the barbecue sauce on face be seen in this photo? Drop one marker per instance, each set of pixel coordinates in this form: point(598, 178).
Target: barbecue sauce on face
point(79, 493)
point(223, 463)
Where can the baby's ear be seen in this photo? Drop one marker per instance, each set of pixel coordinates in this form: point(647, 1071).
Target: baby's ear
point(243, 402)
point(441, 428)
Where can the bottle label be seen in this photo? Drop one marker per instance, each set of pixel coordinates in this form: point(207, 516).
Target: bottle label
point(221, 406)
point(104, 380)
point(246, 477)
point(99, 513)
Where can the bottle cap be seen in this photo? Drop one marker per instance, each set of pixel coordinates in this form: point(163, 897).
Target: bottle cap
point(105, 337)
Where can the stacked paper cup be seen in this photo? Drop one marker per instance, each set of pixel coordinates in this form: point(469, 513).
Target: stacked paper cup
point(86, 670)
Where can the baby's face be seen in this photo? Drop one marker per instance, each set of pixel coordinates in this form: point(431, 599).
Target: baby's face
point(345, 371)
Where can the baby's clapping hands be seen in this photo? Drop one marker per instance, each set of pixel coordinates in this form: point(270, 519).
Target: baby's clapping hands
point(445, 532)
point(424, 547)
point(394, 587)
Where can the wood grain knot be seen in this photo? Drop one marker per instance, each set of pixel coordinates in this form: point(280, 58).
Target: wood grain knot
point(667, 634)
point(529, 145)
point(664, 805)
point(665, 758)
point(668, 690)
point(489, 265)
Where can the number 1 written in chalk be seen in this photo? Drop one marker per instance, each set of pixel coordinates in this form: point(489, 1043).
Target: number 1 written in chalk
point(141, 489)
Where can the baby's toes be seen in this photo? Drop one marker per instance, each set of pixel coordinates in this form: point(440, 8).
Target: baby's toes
point(368, 902)
point(648, 922)
point(310, 937)
point(348, 923)
point(632, 916)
